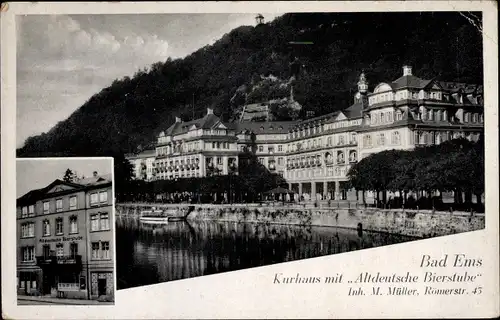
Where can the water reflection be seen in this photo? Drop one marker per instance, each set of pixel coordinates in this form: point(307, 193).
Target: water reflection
point(152, 253)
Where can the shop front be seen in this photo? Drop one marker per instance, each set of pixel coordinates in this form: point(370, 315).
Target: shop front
point(63, 277)
point(29, 282)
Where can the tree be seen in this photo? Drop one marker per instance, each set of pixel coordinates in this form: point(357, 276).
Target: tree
point(456, 165)
point(123, 175)
point(69, 176)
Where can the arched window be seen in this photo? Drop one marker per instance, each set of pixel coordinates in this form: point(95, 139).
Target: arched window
point(352, 156)
point(340, 157)
point(423, 113)
point(328, 141)
point(367, 140)
point(396, 139)
point(381, 139)
point(421, 137)
point(328, 158)
point(353, 138)
point(341, 139)
point(46, 228)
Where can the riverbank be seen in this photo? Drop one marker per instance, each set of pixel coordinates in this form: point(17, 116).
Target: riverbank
point(414, 223)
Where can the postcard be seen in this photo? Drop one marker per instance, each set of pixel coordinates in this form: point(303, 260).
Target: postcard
point(250, 160)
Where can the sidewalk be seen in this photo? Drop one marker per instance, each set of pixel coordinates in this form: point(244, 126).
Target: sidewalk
point(62, 301)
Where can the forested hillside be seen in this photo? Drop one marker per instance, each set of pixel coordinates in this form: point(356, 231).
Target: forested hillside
point(133, 110)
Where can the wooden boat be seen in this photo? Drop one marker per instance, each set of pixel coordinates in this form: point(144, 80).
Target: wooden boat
point(161, 220)
point(153, 216)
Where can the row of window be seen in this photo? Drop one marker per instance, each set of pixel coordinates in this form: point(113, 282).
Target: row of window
point(328, 159)
point(98, 222)
point(380, 118)
point(400, 95)
point(381, 139)
point(270, 149)
point(163, 176)
point(321, 128)
point(100, 251)
point(423, 137)
point(318, 143)
point(271, 160)
point(329, 172)
point(59, 226)
point(96, 198)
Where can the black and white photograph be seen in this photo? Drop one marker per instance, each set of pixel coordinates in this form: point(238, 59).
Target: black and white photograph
point(174, 155)
point(243, 140)
point(65, 239)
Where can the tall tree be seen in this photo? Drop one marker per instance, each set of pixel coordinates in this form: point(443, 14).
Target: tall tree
point(69, 176)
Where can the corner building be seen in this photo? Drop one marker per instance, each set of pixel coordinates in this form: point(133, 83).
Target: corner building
point(65, 240)
point(315, 155)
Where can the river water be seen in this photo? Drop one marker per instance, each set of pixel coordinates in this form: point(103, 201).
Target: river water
point(149, 254)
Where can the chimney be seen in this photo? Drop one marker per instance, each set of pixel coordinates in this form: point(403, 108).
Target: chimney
point(95, 174)
point(210, 111)
point(177, 119)
point(407, 71)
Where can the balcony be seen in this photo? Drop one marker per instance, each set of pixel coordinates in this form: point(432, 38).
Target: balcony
point(58, 260)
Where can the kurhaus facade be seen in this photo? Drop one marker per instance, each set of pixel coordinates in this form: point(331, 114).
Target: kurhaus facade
point(65, 240)
point(315, 155)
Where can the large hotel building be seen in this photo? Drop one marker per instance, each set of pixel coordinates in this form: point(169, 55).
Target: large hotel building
point(314, 155)
point(65, 240)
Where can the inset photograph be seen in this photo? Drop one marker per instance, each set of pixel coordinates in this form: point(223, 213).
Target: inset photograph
point(65, 231)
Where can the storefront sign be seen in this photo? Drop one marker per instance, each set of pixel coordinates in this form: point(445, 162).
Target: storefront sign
point(61, 239)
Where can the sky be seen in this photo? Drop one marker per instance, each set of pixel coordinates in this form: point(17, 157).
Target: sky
point(38, 173)
point(62, 60)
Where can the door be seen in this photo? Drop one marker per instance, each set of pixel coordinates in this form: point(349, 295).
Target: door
point(46, 283)
point(101, 287)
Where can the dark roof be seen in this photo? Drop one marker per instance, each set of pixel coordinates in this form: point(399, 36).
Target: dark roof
point(354, 111)
point(409, 81)
point(207, 122)
point(265, 127)
point(94, 181)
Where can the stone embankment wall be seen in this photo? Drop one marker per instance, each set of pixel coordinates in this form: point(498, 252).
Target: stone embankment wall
point(422, 223)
